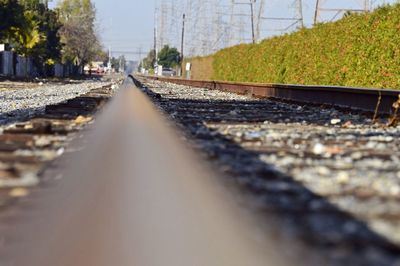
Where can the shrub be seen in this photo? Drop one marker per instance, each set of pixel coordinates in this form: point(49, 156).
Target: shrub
point(361, 50)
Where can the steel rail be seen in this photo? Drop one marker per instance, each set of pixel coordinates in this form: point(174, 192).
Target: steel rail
point(358, 98)
point(135, 196)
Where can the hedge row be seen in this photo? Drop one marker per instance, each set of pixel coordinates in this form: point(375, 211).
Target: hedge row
point(359, 50)
point(202, 67)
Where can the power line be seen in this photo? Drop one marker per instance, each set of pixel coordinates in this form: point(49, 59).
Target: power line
point(363, 6)
point(211, 25)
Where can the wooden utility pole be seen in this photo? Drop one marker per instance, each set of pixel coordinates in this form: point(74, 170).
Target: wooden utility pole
point(183, 34)
point(182, 42)
point(155, 45)
point(316, 14)
point(252, 20)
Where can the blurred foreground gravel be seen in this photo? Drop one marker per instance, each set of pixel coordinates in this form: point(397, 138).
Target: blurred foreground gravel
point(37, 124)
point(328, 178)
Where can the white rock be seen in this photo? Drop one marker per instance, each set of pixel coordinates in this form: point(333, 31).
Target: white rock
point(357, 155)
point(335, 121)
point(343, 177)
point(319, 149)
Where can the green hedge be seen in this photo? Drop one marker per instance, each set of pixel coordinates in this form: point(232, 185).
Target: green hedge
point(359, 50)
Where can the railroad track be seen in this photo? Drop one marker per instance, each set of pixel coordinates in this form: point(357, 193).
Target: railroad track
point(378, 101)
point(328, 175)
point(271, 182)
point(113, 206)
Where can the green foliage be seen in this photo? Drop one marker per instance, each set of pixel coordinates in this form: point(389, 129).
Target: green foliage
point(28, 35)
point(51, 48)
point(169, 57)
point(12, 17)
point(48, 36)
point(149, 61)
point(80, 42)
point(359, 50)
point(31, 29)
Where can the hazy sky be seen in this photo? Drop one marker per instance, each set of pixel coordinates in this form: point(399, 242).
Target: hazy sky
point(127, 25)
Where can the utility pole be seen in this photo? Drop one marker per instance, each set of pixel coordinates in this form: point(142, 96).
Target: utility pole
point(182, 42)
point(316, 14)
point(163, 31)
point(109, 59)
point(259, 20)
point(155, 45)
point(252, 20)
point(155, 34)
point(232, 33)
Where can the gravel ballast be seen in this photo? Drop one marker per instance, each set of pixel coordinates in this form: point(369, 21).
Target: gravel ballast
point(329, 177)
point(19, 104)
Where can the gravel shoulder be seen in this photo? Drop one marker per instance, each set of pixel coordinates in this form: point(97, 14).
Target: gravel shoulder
point(19, 101)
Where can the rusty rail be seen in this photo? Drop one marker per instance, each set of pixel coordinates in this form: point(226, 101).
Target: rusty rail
point(135, 196)
point(359, 98)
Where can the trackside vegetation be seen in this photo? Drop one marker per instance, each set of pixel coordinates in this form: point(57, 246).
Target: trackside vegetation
point(65, 34)
point(361, 50)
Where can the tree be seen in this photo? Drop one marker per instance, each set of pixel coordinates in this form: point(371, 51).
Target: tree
point(169, 57)
point(149, 61)
point(12, 18)
point(31, 29)
point(28, 35)
point(49, 36)
point(78, 36)
point(118, 63)
point(51, 49)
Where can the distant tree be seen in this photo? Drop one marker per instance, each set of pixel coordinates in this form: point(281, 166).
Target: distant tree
point(149, 61)
point(118, 62)
point(101, 56)
point(169, 57)
point(78, 35)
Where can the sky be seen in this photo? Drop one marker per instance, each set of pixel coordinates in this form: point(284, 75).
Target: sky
point(128, 25)
point(125, 25)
